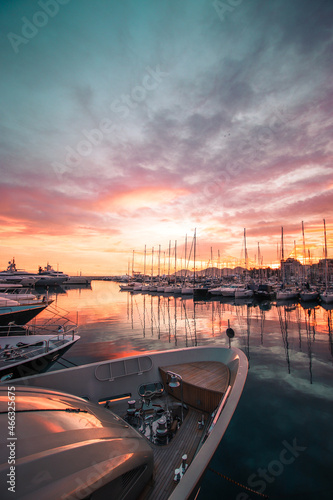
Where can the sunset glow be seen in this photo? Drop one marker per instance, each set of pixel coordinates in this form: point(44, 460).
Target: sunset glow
point(127, 124)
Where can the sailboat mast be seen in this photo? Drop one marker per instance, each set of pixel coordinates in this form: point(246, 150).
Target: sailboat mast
point(152, 264)
point(194, 253)
point(304, 252)
point(144, 265)
point(245, 250)
point(326, 273)
point(282, 256)
point(133, 264)
point(169, 261)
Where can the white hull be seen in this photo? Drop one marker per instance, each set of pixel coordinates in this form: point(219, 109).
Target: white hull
point(308, 296)
point(286, 295)
point(215, 291)
point(108, 380)
point(228, 292)
point(327, 297)
point(243, 294)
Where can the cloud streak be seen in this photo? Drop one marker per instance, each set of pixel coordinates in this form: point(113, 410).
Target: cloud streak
point(208, 124)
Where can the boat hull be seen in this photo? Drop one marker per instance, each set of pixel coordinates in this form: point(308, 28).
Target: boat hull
point(38, 365)
point(117, 379)
point(20, 314)
point(327, 298)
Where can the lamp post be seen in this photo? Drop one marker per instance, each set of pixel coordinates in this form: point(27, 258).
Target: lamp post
point(176, 381)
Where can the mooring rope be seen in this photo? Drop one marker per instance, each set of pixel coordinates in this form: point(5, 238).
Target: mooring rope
point(238, 484)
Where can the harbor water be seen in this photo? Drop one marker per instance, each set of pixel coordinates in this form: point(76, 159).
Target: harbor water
point(279, 442)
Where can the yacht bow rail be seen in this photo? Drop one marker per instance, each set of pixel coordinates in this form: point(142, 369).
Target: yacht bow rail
point(39, 329)
point(107, 372)
point(28, 350)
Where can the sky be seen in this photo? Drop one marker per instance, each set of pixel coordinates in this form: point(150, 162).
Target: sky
point(132, 123)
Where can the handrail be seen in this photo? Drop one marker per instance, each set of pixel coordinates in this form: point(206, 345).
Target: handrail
point(24, 330)
point(220, 408)
point(16, 352)
point(123, 367)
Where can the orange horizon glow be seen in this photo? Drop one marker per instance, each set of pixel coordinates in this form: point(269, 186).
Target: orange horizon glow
point(105, 256)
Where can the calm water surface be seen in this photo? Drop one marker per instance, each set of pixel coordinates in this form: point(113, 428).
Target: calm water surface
point(279, 442)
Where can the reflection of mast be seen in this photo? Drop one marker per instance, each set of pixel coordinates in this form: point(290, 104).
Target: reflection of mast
point(329, 324)
point(308, 337)
point(187, 325)
point(175, 320)
point(240, 316)
point(132, 319)
point(144, 315)
point(299, 328)
point(159, 317)
point(195, 326)
point(284, 331)
point(248, 323)
point(151, 316)
point(213, 333)
point(262, 322)
point(169, 319)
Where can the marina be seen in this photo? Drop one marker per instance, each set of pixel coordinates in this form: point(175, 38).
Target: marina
point(288, 393)
point(166, 282)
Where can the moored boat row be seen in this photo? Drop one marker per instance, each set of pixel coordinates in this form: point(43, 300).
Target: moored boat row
point(268, 291)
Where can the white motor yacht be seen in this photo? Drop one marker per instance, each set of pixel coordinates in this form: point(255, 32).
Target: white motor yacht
point(144, 425)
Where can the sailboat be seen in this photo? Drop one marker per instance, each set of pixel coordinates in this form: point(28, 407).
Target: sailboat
point(306, 294)
point(244, 292)
point(285, 293)
point(188, 288)
point(327, 295)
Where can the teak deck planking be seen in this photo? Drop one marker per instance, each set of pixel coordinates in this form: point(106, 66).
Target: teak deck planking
point(205, 380)
point(204, 383)
point(169, 457)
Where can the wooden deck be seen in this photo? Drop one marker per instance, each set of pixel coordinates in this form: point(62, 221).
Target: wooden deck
point(169, 457)
point(204, 383)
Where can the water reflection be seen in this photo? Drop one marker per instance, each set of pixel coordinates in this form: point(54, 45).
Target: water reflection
point(288, 391)
point(114, 323)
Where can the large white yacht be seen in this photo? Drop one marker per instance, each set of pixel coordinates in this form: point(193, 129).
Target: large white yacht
point(141, 427)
